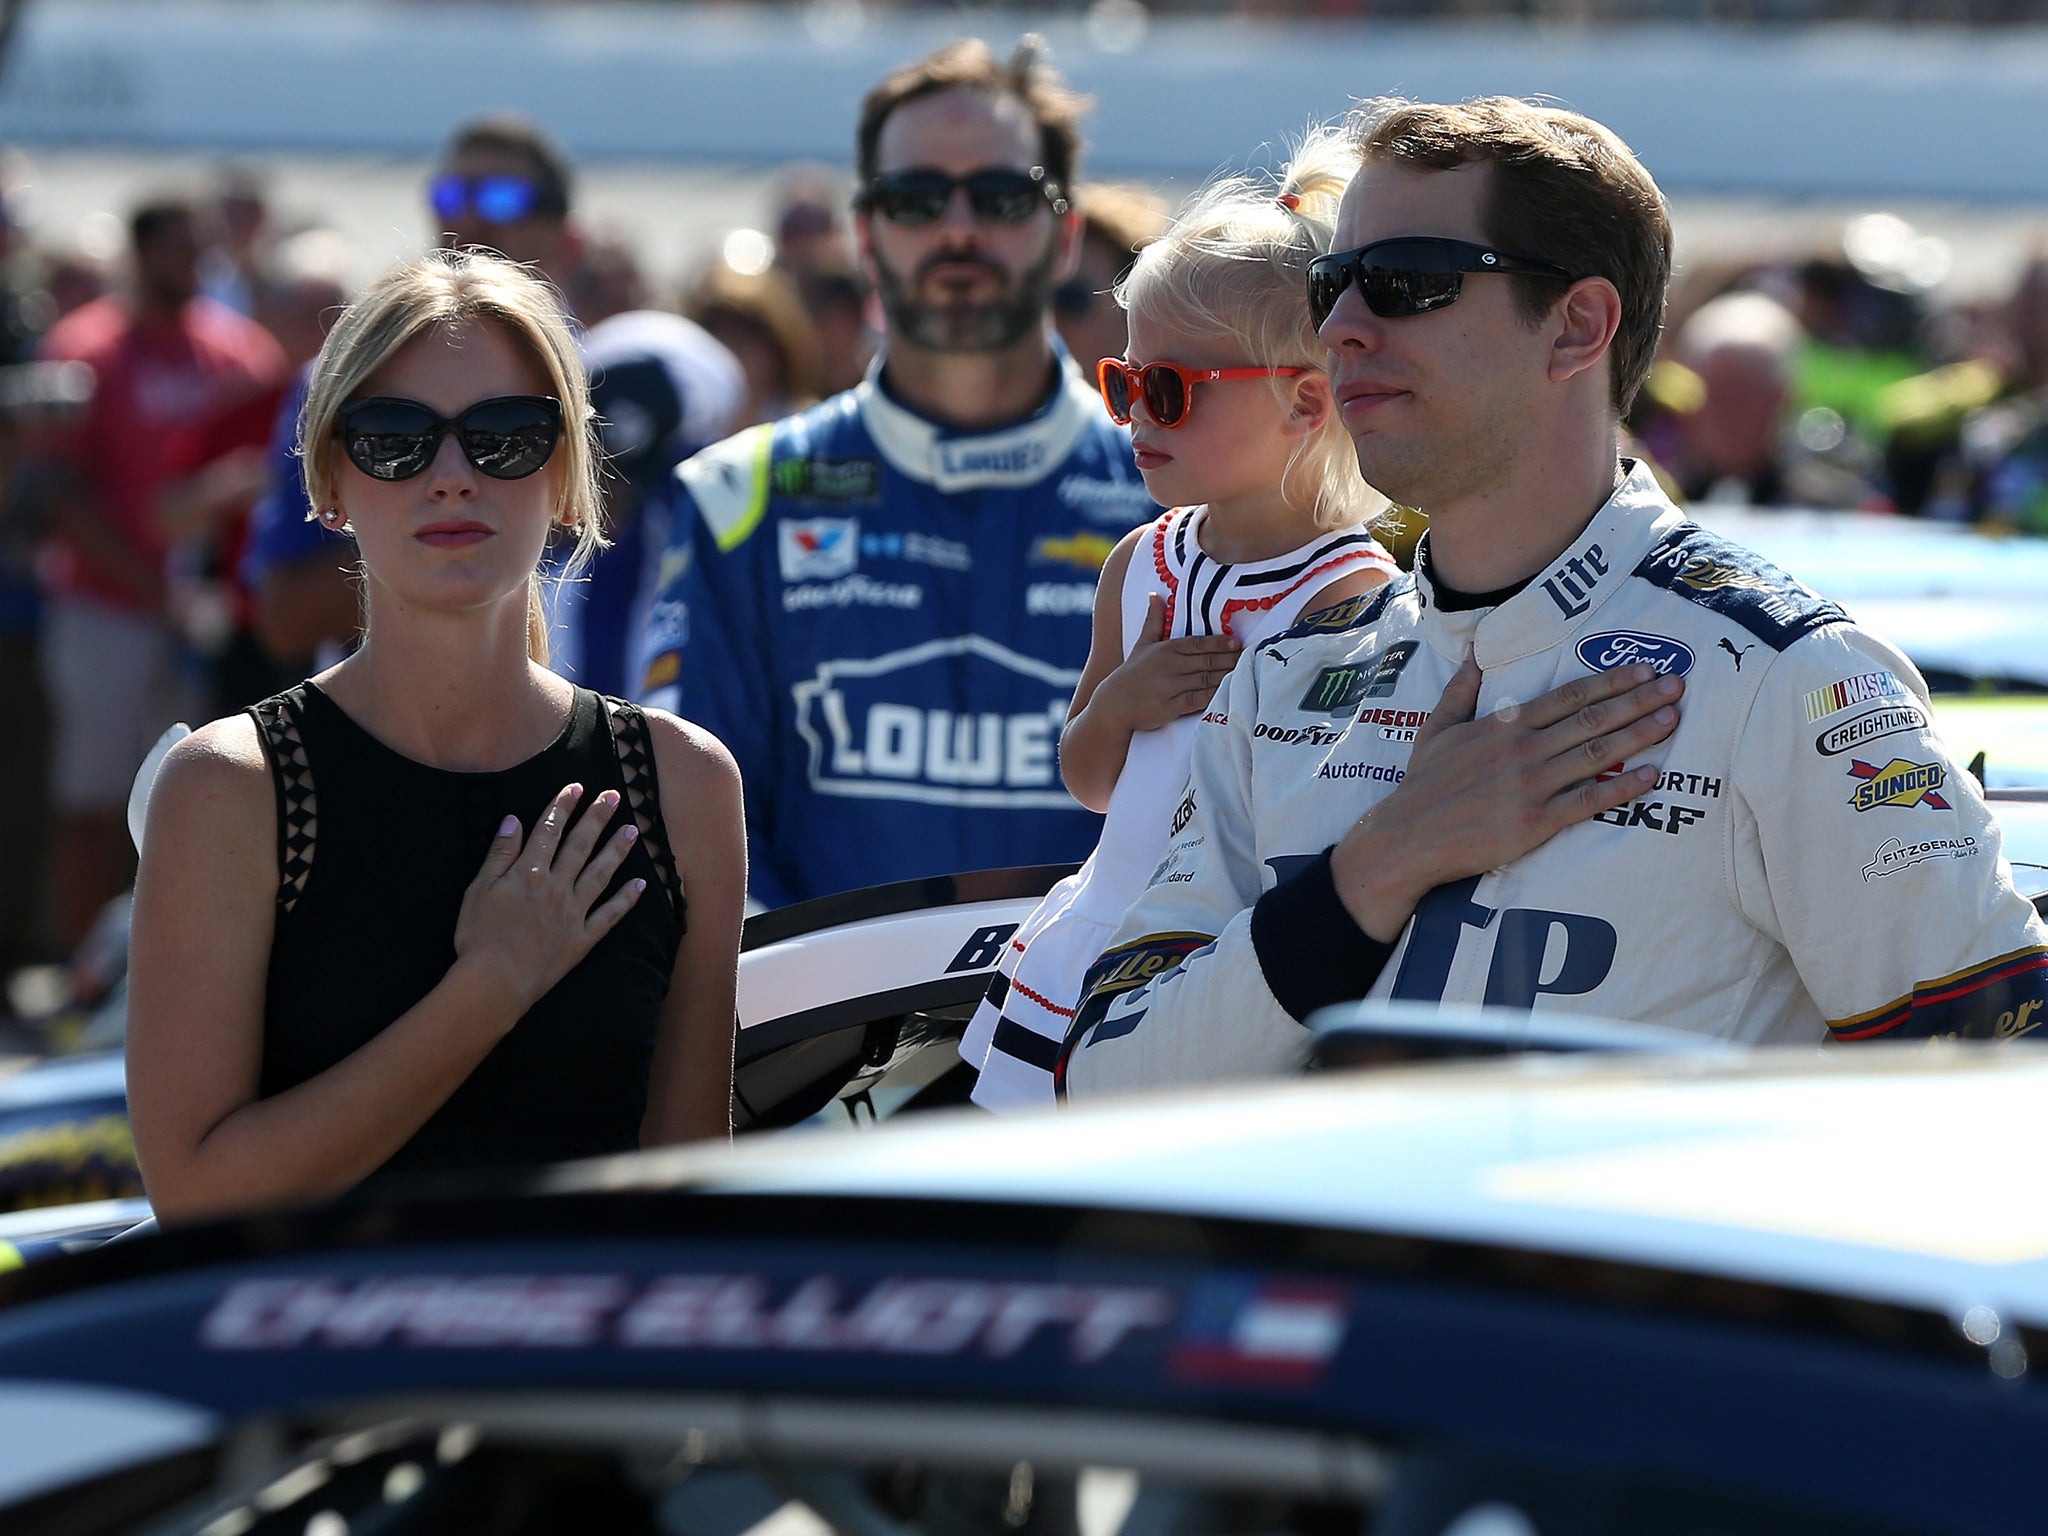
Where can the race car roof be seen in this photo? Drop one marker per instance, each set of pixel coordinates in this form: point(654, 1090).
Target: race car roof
point(1897, 1174)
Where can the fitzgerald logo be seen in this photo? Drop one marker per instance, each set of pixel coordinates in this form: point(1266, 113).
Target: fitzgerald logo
point(1894, 854)
point(1898, 783)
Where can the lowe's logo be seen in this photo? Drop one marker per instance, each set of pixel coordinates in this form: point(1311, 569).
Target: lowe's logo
point(1625, 647)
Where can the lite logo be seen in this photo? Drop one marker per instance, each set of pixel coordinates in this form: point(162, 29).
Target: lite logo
point(1571, 584)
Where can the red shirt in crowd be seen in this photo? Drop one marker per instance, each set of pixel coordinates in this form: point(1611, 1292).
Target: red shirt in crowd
point(157, 380)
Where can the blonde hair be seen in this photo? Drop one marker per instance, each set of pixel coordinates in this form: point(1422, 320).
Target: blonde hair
point(1235, 263)
point(448, 288)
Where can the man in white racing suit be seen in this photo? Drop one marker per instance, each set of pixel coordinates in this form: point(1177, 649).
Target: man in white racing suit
point(1370, 813)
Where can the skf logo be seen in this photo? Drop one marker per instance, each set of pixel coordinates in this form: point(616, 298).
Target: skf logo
point(1083, 550)
point(1626, 647)
point(1570, 584)
point(1898, 783)
point(818, 548)
point(1657, 815)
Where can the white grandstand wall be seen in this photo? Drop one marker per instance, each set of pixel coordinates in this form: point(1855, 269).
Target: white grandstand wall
point(1839, 112)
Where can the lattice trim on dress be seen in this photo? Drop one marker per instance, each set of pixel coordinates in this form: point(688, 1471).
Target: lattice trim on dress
point(635, 748)
point(298, 807)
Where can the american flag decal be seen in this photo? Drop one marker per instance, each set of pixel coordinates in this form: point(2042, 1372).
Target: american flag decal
point(1263, 1331)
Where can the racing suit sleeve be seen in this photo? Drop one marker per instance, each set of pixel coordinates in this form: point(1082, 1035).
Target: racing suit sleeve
point(705, 650)
point(1871, 856)
point(1209, 979)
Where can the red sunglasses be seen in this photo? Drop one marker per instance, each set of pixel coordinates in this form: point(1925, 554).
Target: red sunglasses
point(1166, 388)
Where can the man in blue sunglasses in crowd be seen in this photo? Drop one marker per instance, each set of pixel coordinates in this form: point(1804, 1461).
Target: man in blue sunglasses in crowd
point(882, 606)
point(662, 388)
point(1588, 757)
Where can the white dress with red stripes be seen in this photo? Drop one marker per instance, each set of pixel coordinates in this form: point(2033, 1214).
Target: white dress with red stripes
point(1016, 1032)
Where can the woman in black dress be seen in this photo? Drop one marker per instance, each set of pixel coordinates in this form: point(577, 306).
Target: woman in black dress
point(426, 910)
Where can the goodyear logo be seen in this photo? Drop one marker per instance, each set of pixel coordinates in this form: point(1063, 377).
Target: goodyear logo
point(1844, 692)
point(1083, 550)
point(1898, 783)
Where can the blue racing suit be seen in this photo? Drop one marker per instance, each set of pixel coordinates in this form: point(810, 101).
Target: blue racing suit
point(884, 620)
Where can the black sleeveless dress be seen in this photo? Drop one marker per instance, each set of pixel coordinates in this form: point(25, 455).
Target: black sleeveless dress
point(374, 854)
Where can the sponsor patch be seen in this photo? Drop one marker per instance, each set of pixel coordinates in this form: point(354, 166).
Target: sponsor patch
point(1215, 717)
point(1336, 690)
point(1183, 814)
point(1847, 692)
point(2023, 1020)
point(1394, 724)
point(817, 548)
point(827, 479)
point(1387, 670)
point(1898, 783)
point(919, 549)
point(1627, 647)
point(1081, 549)
point(1654, 815)
point(1570, 584)
point(855, 591)
point(872, 734)
point(1298, 736)
point(1058, 599)
point(1705, 575)
point(1868, 726)
point(1894, 854)
point(1338, 616)
point(1120, 502)
point(1133, 965)
point(1379, 773)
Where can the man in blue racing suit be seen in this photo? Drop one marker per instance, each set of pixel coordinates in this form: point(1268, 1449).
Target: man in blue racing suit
point(882, 606)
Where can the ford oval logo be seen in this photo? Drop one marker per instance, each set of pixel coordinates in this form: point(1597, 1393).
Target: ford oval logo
point(1626, 647)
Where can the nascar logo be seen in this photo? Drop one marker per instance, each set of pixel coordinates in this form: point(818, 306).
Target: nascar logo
point(1899, 783)
point(1863, 688)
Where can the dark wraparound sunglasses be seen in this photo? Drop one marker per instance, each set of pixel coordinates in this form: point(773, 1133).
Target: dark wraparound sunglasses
point(507, 437)
point(1411, 274)
point(1167, 389)
point(494, 199)
point(917, 197)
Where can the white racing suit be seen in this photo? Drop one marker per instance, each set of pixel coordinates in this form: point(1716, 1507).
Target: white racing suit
point(1811, 864)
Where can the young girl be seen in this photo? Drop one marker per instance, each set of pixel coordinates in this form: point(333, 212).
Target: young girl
point(1232, 425)
point(427, 909)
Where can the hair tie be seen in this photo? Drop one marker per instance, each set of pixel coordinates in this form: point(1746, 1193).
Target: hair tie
point(1291, 201)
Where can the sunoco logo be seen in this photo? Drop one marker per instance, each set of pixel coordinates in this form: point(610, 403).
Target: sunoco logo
point(1868, 726)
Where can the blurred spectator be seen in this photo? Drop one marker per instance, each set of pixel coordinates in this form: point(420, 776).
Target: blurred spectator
point(1116, 223)
point(809, 222)
point(74, 279)
point(1740, 441)
point(760, 319)
point(301, 289)
point(238, 229)
point(1995, 469)
point(165, 359)
point(836, 298)
point(34, 398)
point(606, 281)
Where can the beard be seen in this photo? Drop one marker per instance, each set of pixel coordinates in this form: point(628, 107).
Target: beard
point(967, 325)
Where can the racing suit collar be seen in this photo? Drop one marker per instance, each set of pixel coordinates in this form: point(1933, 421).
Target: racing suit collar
point(1016, 455)
point(1565, 597)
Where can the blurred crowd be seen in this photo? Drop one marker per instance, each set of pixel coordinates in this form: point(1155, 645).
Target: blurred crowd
point(144, 393)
